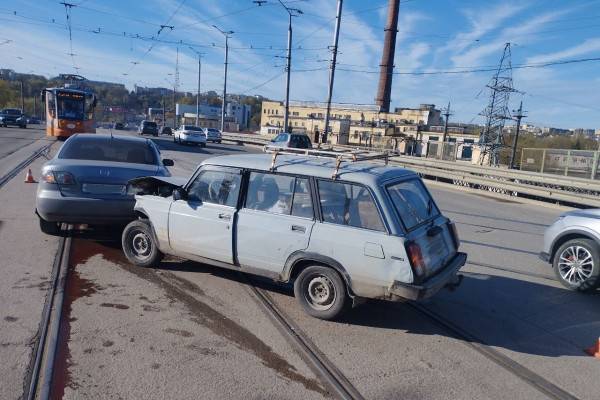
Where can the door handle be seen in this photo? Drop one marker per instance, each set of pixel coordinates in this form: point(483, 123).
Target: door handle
point(298, 228)
point(226, 217)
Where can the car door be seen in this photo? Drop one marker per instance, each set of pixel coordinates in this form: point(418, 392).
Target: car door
point(275, 221)
point(201, 224)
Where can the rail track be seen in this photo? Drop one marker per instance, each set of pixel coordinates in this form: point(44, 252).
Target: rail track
point(329, 374)
point(39, 375)
point(23, 164)
point(528, 376)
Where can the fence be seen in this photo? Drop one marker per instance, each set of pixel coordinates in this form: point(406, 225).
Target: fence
point(573, 163)
point(442, 151)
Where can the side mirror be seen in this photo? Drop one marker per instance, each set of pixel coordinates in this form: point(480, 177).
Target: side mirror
point(167, 162)
point(179, 194)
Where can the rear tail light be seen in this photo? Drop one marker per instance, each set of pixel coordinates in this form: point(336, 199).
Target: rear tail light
point(60, 177)
point(454, 233)
point(417, 262)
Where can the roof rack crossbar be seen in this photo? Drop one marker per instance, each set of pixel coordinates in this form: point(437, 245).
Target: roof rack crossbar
point(350, 156)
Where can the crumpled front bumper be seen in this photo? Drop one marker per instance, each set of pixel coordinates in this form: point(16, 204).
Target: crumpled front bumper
point(446, 277)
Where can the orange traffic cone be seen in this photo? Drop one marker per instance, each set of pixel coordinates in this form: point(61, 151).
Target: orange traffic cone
point(594, 350)
point(29, 177)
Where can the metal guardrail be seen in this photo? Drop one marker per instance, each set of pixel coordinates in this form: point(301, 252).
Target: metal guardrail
point(576, 191)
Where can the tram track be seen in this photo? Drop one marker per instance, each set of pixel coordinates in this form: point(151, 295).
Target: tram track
point(520, 371)
point(23, 164)
point(38, 380)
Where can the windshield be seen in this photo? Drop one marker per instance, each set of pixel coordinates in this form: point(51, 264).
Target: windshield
point(413, 202)
point(150, 124)
point(11, 111)
point(70, 105)
point(107, 149)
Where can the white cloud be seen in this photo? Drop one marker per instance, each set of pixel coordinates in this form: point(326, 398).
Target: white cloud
point(586, 47)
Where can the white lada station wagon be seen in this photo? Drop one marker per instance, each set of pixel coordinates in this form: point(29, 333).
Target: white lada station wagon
point(341, 229)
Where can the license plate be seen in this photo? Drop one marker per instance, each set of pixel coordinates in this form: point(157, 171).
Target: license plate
point(99, 188)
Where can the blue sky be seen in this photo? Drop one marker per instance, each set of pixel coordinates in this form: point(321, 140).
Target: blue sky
point(434, 35)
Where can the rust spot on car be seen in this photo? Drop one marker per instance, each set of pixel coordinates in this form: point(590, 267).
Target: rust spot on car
point(107, 343)
point(11, 319)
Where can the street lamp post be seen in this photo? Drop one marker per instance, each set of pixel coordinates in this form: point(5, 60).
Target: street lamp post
point(198, 92)
point(292, 12)
point(227, 34)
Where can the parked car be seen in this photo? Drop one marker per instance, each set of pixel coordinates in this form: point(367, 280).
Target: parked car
point(85, 183)
point(119, 126)
point(190, 134)
point(166, 131)
point(370, 231)
point(13, 116)
point(213, 135)
point(148, 128)
point(572, 246)
point(34, 121)
point(289, 140)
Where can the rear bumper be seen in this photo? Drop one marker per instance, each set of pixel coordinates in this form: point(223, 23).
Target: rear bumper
point(52, 206)
point(448, 276)
point(193, 139)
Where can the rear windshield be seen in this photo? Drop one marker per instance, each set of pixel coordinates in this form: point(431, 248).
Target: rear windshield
point(100, 149)
point(413, 203)
point(150, 124)
point(11, 111)
point(192, 128)
point(213, 130)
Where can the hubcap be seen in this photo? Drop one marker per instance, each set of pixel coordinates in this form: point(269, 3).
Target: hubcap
point(575, 264)
point(141, 245)
point(320, 293)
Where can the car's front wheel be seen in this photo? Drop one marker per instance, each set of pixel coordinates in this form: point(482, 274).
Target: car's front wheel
point(321, 292)
point(139, 245)
point(577, 265)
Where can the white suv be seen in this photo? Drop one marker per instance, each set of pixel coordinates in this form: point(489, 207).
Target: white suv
point(338, 230)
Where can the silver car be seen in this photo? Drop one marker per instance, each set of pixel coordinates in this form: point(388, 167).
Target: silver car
point(572, 246)
point(213, 135)
point(85, 183)
point(339, 231)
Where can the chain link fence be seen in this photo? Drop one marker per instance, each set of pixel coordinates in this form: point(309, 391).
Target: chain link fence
point(573, 163)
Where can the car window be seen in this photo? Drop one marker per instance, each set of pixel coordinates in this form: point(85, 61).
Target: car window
point(279, 194)
point(282, 137)
point(347, 204)
point(302, 204)
point(216, 187)
point(413, 203)
point(108, 149)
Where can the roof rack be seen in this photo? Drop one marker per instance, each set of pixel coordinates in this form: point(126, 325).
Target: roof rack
point(339, 156)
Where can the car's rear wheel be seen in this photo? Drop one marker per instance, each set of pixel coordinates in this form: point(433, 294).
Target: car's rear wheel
point(321, 292)
point(49, 227)
point(577, 265)
point(139, 245)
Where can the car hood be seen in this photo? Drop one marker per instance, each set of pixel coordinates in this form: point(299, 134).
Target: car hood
point(155, 185)
point(589, 213)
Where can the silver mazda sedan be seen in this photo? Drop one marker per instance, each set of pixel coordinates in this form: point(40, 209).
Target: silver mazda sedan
point(86, 182)
point(572, 246)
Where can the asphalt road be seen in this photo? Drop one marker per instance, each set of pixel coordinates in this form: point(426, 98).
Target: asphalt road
point(187, 330)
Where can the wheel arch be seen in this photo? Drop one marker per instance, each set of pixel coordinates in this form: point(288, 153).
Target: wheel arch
point(300, 260)
point(570, 235)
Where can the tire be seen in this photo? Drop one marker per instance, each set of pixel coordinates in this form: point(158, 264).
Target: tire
point(321, 292)
point(218, 141)
point(139, 244)
point(202, 144)
point(49, 228)
point(576, 265)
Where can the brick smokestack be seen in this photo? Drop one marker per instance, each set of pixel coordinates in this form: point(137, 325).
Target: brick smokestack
point(387, 59)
